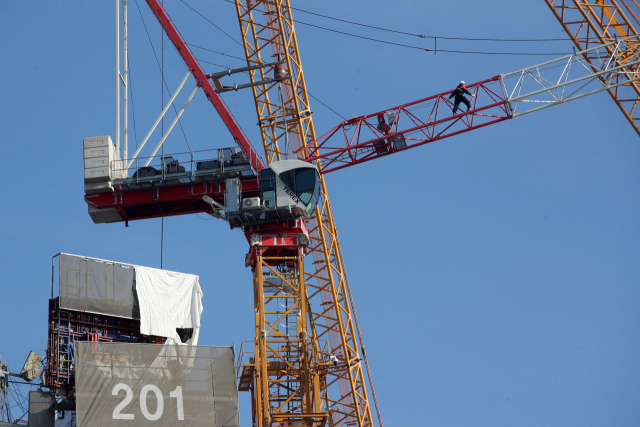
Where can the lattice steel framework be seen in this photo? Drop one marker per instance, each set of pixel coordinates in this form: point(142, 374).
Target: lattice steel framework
point(502, 97)
point(67, 326)
point(410, 125)
point(571, 77)
point(284, 116)
point(284, 368)
point(595, 22)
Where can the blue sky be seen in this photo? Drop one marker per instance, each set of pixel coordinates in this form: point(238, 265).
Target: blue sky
point(495, 274)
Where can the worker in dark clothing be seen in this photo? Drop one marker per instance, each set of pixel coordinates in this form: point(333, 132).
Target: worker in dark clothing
point(382, 125)
point(459, 94)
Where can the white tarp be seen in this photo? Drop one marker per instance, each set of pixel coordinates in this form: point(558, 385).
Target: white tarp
point(168, 300)
point(162, 300)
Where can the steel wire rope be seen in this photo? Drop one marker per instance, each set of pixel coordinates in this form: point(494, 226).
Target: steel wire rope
point(133, 110)
point(178, 53)
point(164, 81)
point(429, 49)
point(184, 40)
point(363, 37)
point(287, 140)
point(309, 93)
point(212, 63)
point(203, 17)
point(215, 51)
point(242, 59)
point(499, 53)
point(239, 125)
point(418, 35)
point(423, 36)
point(422, 106)
point(338, 114)
point(204, 219)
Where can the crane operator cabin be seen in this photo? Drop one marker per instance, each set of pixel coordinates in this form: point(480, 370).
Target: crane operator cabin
point(285, 190)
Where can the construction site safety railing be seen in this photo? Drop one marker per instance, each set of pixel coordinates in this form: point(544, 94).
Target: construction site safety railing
point(182, 167)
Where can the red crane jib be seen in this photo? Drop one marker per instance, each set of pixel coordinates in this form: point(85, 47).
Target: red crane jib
point(203, 81)
point(365, 138)
point(353, 141)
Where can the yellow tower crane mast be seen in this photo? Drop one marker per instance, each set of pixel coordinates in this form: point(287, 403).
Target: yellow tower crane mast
point(286, 126)
point(591, 23)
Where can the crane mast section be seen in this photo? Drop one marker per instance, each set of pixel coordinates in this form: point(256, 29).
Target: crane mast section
point(285, 121)
point(285, 368)
point(592, 23)
point(203, 81)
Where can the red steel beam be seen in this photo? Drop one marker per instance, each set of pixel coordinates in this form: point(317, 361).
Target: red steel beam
point(359, 140)
point(166, 201)
point(351, 142)
point(203, 81)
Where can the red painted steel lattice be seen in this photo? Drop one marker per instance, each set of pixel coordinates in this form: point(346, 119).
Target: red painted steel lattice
point(417, 123)
point(68, 326)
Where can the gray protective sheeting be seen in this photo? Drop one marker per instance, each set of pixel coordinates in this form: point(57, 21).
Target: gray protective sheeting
point(97, 286)
point(163, 300)
point(121, 384)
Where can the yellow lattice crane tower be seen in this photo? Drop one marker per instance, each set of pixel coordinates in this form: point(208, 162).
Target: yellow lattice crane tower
point(306, 364)
point(286, 123)
point(591, 23)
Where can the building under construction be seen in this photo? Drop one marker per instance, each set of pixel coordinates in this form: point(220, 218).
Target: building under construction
point(123, 339)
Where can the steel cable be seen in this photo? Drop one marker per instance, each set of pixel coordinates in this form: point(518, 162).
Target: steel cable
point(160, 68)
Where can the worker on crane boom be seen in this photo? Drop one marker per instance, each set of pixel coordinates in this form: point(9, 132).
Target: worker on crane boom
point(459, 94)
point(382, 125)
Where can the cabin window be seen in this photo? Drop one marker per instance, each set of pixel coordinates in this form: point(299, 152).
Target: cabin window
point(268, 188)
point(305, 184)
point(267, 176)
point(288, 177)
